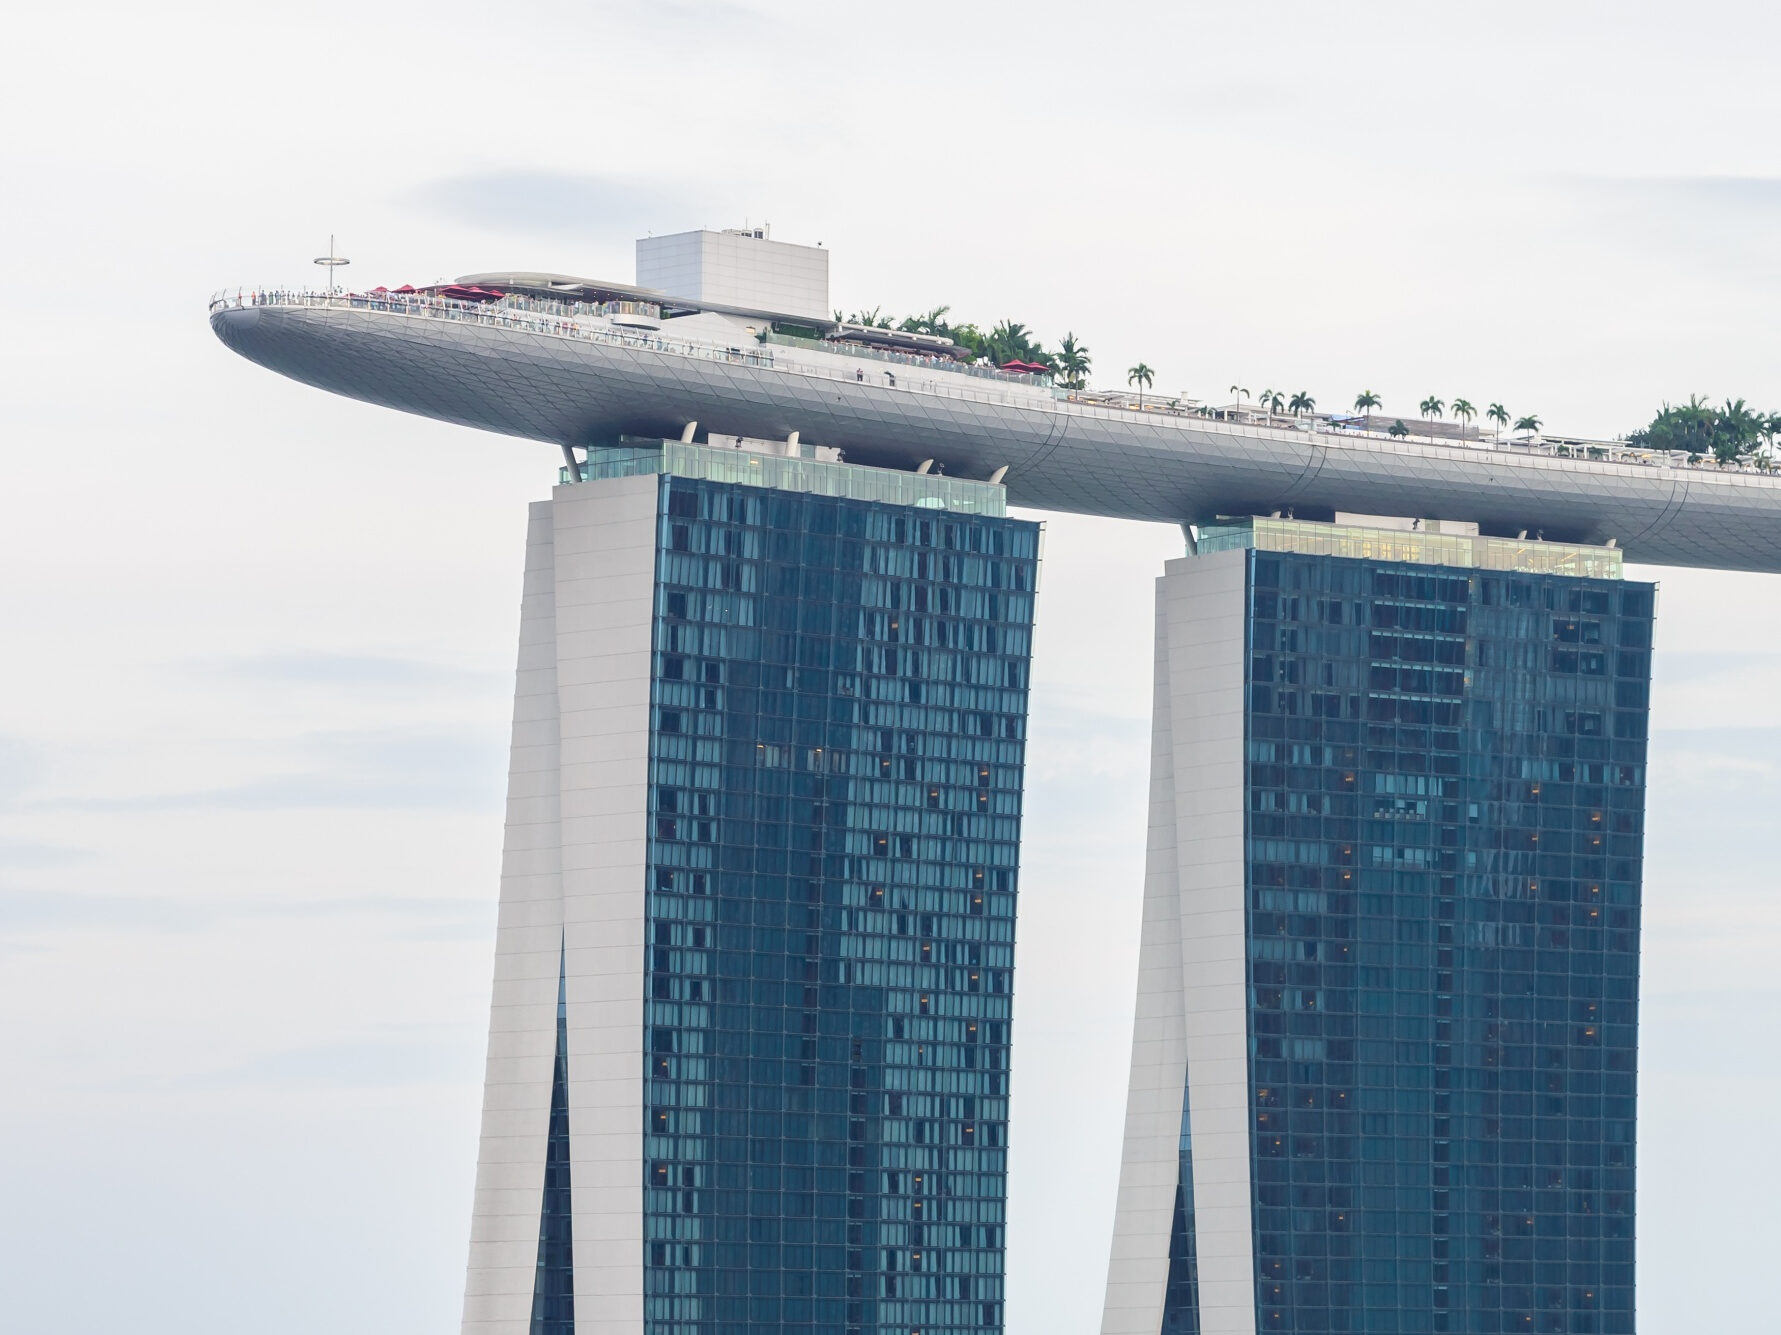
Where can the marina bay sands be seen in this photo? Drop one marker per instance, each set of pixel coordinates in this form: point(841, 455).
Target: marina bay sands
point(751, 1064)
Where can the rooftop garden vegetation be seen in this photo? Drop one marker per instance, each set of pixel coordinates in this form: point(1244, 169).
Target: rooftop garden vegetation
point(1143, 377)
point(1730, 434)
point(1434, 409)
point(1008, 341)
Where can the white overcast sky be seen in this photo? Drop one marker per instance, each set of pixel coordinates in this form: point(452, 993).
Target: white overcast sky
point(258, 640)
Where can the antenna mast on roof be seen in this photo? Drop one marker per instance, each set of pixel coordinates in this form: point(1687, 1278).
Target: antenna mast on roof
point(331, 262)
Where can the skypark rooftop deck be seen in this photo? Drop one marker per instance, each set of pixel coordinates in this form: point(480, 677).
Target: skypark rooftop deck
point(589, 322)
point(576, 373)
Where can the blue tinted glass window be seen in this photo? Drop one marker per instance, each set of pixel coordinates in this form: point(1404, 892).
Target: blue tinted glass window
point(553, 1291)
point(1445, 801)
point(840, 696)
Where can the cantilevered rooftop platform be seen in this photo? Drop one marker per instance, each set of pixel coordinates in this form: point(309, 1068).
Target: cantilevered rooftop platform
point(576, 373)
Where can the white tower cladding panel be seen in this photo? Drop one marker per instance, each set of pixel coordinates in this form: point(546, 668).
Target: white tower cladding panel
point(672, 264)
point(572, 900)
point(737, 269)
point(1190, 1038)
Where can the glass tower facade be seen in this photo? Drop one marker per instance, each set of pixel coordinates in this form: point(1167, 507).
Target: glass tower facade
point(838, 701)
point(1444, 780)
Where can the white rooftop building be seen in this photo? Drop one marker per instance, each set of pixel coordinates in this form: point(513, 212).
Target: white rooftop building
point(737, 267)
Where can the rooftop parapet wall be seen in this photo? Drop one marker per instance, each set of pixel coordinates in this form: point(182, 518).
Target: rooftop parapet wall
point(1417, 547)
point(800, 473)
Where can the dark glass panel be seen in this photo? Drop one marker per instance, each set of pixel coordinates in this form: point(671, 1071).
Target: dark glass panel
point(1443, 939)
point(553, 1291)
point(835, 815)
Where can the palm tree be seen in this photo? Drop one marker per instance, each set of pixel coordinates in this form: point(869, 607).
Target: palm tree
point(1273, 400)
point(1431, 407)
point(1012, 341)
point(1500, 415)
point(1697, 422)
point(1398, 429)
point(1302, 402)
point(1240, 392)
point(969, 337)
point(1739, 430)
point(1464, 411)
point(1530, 424)
point(1143, 377)
point(1073, 360)
point(1766, 426)
point(934, 322)
point(1365, 401)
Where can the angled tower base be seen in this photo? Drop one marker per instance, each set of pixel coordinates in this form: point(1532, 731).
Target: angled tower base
point(1383, 1066)
point(748, 1050)
point(1184, 1216)
point(572, 924)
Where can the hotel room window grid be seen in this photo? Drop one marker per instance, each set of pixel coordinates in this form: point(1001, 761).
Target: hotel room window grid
point(839, 696)
point(1445, 780)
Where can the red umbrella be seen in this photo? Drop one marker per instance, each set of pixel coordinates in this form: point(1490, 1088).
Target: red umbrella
point(458, 292)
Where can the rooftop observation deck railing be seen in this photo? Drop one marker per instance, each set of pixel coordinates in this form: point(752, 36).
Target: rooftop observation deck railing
point(1420, 547)
point(562, 320)
point(521, 314)
point(921, 360)
point(814, 477)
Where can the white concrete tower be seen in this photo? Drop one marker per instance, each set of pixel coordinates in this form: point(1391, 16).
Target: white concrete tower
point(1191, 983)
point(572, 899)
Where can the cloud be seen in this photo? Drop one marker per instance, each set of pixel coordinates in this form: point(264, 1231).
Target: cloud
point(1756, 194)
point(1718, 226)
point(30, 911)
point(21, 765)
point(1685, 665)
point(518, 200)
point(683, 18)
point(433, 907)
point(26, 854)
point(26, 911)
point(1716, 756)
point(1708, 693)
point(349, 672)
point(414, 1059)
point(1685, 1033)
point(402, 770)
